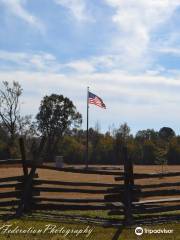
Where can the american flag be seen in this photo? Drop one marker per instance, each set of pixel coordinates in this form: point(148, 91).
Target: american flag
point(93, 99)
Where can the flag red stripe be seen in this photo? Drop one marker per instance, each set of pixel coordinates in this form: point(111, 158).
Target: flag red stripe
point(97, 102)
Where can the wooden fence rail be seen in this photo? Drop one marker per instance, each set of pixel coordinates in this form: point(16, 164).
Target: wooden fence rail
point(153, 175)
point(75, 170)
point(77, 184)
point(12, 179)
point(74, 200)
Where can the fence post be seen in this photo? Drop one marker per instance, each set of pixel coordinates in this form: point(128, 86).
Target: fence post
point(25, 171)
point(23, 156)
point(128, 187)
point(26, 199)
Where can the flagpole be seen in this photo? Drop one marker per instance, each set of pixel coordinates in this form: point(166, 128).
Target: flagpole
point(87, 131)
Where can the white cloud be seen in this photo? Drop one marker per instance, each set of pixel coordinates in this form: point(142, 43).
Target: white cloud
point(76, 7)
point(81, 66)
point(137, 21)
point(42, 61)
point(37, 61)
point(16, 8)
point(170, 50)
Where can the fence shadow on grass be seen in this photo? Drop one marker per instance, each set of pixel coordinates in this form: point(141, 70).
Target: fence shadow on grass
point(118, 233)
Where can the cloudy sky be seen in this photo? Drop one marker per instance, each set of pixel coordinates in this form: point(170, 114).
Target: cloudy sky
point(126, 51)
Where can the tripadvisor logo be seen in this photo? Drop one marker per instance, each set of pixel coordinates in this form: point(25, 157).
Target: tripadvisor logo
point(139, 231)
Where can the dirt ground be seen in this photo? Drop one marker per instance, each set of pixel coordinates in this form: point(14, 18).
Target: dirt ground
point(79, 177)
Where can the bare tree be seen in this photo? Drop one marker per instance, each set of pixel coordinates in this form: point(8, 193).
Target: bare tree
point(26, 128)
point(9, 107)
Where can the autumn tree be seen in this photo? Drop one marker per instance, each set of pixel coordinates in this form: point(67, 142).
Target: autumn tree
point(144, 135)
point(173, 154)
point(166, 133)
point(121, 137)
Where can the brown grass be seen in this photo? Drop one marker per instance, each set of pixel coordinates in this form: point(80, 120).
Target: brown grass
point(79, 177)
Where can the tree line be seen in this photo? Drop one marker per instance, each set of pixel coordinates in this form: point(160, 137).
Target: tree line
point(60, 123)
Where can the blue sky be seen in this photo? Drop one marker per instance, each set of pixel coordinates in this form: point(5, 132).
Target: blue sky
point(126, 51)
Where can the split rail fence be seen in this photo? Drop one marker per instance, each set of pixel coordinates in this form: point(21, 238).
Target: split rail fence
point(137, 197)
